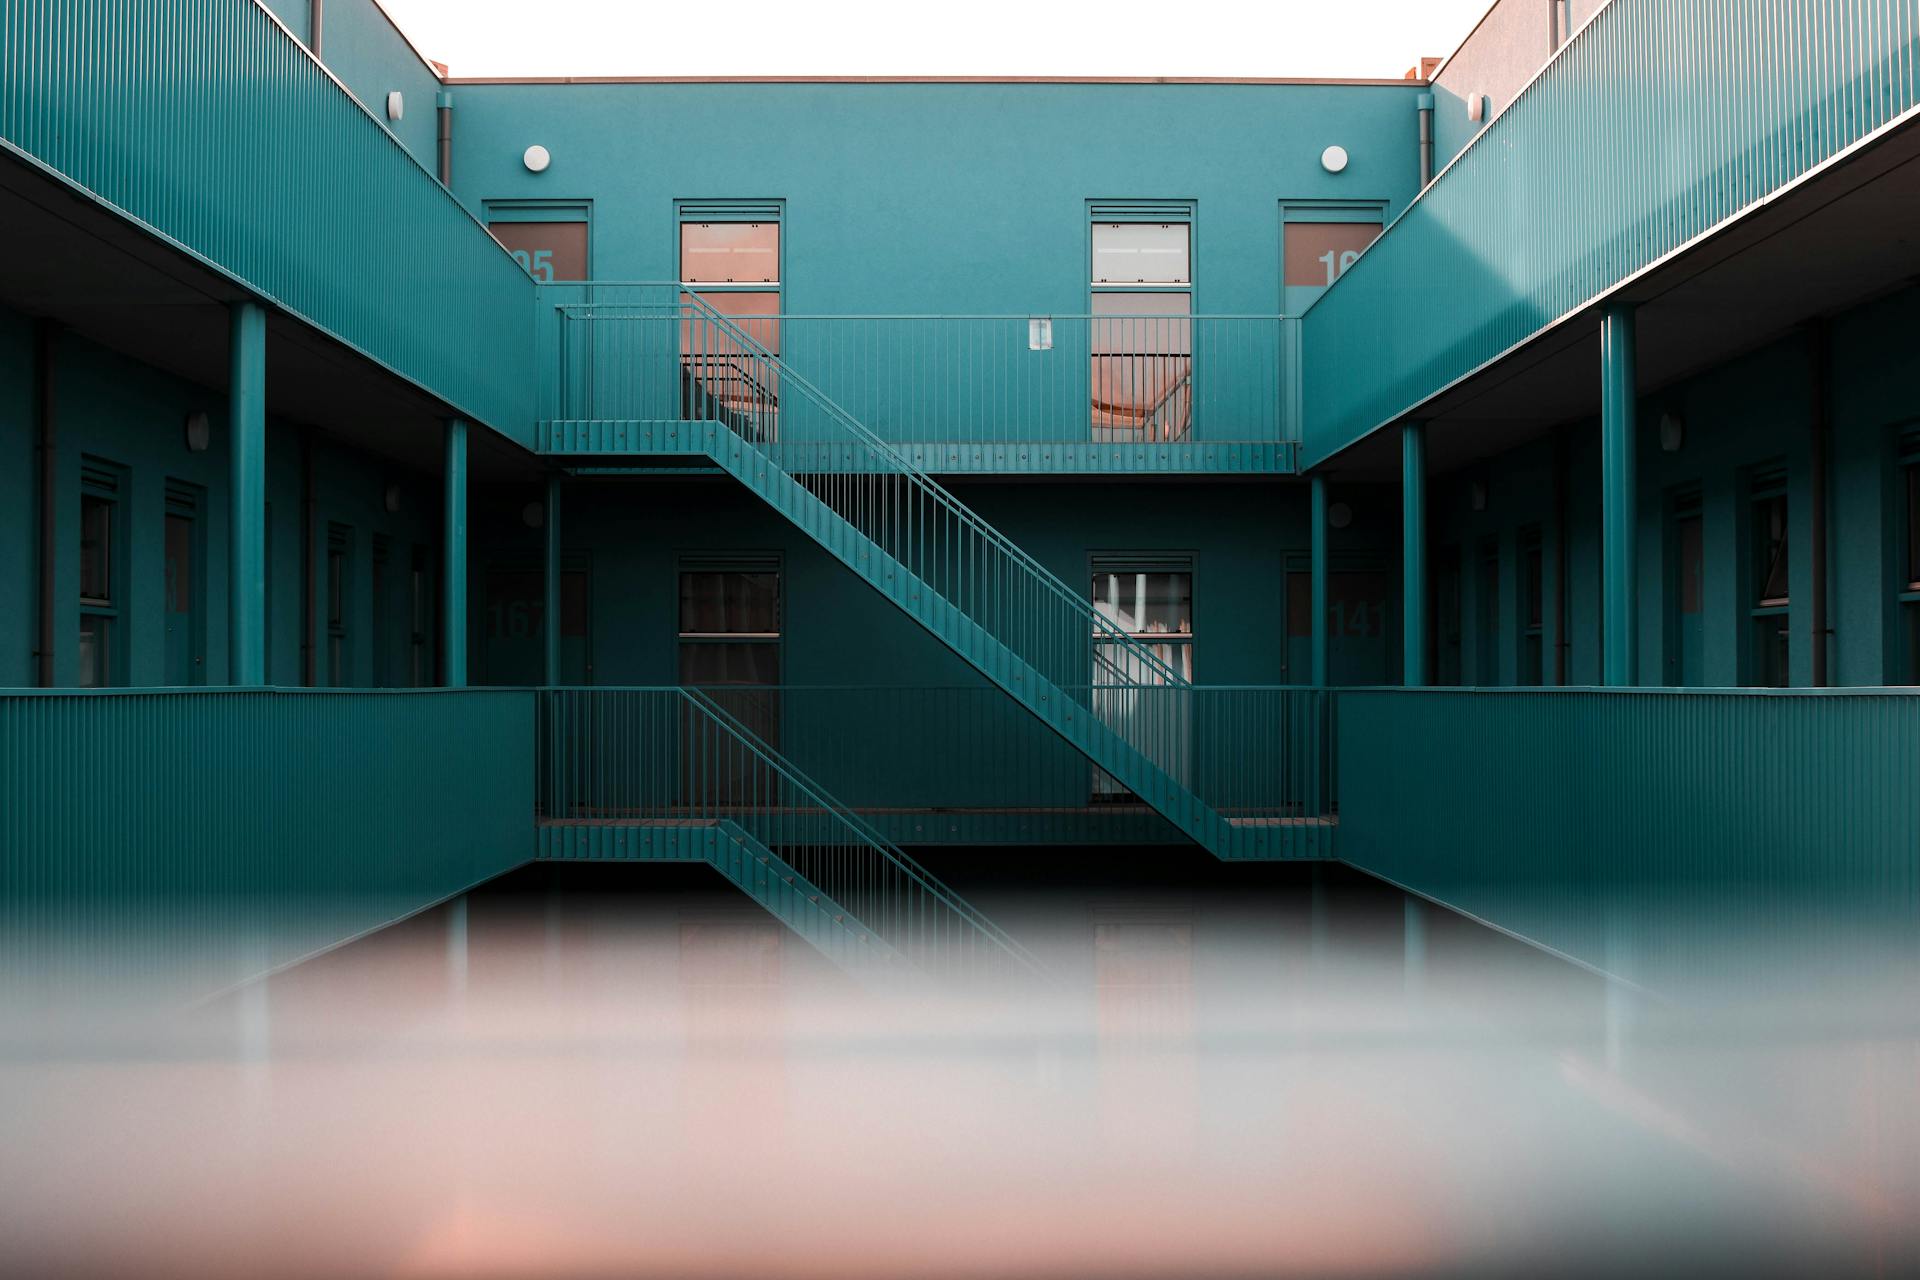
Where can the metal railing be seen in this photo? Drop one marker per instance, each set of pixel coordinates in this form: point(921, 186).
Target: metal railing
point(1252, 753)
point(1085, 385)
point(1100, 379)
point(660, 352)
point(677, 757)
point(1651, 126)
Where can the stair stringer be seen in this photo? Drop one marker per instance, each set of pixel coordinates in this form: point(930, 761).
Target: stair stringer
point(951, 625)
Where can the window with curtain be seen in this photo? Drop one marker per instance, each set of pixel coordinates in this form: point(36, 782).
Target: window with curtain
point(1152, 603)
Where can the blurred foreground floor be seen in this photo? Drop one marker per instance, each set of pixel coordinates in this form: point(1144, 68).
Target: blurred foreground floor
point(631, 1071)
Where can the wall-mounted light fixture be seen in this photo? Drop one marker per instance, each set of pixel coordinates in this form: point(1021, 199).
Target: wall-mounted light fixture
point(1339, 515)
point(534, 515)
point(1479, 107)
point(391, 499)
point(1039, 333)
point(1477, 495)
point(536, 158)
point(1333, 159)
point(199, 431)
point(396, 105)
point(1673, 432)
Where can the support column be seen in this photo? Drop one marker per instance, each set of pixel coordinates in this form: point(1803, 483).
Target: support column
point(247, 492)
point(1413, 554)
point(454, 569)
point(552, 615)
point(1619, 518)
point(1318, 543)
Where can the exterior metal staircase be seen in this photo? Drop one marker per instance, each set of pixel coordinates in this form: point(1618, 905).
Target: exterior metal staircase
point(670, 775)
point(682, 377)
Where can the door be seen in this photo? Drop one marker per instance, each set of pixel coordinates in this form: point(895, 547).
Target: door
point(1686, 630)
point(185, 633)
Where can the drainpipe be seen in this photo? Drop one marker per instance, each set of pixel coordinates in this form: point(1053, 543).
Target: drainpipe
point(306, 556)
point(1424, 105)
point(316, 24)
point(444, 110)
point(43, 353)
point(1821, 365)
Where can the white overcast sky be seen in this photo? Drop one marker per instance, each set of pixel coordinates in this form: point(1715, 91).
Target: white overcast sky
point(1366, 38)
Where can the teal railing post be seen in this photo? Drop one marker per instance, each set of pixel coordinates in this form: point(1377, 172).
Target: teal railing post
point(455, 556)
point(247, 524)
point(1318, 544)
point(1413, 555)
point(1618, 516)
point(551, 622)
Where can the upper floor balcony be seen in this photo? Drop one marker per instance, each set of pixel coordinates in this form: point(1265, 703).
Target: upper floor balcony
point(1125, 388)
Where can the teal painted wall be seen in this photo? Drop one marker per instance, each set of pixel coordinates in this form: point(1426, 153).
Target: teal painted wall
point(133, 416)
point(913, 198)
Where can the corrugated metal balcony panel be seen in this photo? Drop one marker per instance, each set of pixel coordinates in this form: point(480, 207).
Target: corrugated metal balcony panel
point(210, 125)
point(1659, 829)
point(1656, 123)
point(216, 833)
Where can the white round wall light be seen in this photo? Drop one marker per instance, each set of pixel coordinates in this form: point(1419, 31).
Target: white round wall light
point(396, 105)
point(534, 515)
point(1477, 495)
point(1339, 515)
point(391, 499)
point(1333, 159)
point(537, 158)
point(1673, 432)
point(199, 431)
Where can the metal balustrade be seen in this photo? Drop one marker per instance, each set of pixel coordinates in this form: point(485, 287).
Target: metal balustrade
point(1254, 754)
point(1657, 122)
point(664, 353)
point(1000, 393)
point(679, 763)
point(207, 123)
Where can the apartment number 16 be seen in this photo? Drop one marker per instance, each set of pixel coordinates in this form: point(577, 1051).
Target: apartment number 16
point(1337, 264)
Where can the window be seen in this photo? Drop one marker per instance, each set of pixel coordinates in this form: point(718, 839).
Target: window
point(1319, 240)
point(1769, 610)
point(1686, 592)
point(731, 256)
point(1908, 582)
point(730, 637)
point(339, 605)
point(1141, 339)
point(513, 641)
point(101, 555)
point(1150, 601)
point(1531, 615)
point(550, 239)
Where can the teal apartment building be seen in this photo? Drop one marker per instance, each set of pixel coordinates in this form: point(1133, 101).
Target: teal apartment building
point(1496, 479)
